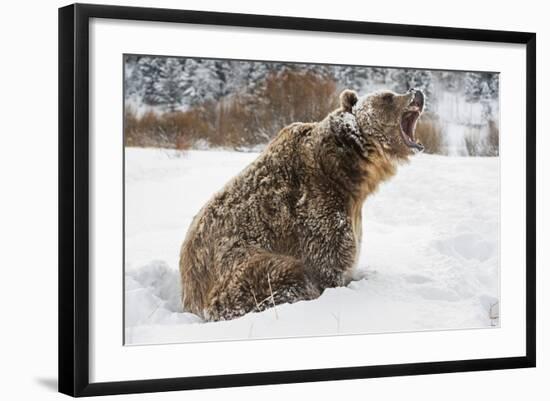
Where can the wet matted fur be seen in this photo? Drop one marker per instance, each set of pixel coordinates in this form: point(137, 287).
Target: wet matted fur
point(289, 225)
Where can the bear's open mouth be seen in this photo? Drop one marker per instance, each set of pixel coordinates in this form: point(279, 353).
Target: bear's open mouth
point(409, 119)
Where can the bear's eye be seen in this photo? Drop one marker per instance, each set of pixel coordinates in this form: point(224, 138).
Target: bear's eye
point(388, 98)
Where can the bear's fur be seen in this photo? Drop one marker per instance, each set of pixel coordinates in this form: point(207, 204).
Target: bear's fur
point(289, 225)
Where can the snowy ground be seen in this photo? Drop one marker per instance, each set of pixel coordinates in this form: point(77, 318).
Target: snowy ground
point(429, 258)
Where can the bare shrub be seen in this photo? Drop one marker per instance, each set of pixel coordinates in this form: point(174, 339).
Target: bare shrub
point(483, 141)
point(247, 119)
point(141, 130)
point(154, 130)
point(235, 120)
point(130, 128)
point(493, 139)
point(183, 143)
point(244, 120)
point(149, 128)
point(293, 96)
point(471, 139)
point(428, 132)
point(238, 120)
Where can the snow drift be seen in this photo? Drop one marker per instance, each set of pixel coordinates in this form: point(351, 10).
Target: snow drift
point(429, 257)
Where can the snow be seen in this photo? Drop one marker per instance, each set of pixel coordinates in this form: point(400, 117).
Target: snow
point(429, 256)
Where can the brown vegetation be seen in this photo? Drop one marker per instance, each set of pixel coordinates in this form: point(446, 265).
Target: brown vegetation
point(238, 120)
point(428, 132)
point(246, 120)
point(483, 141)
point(494, 138)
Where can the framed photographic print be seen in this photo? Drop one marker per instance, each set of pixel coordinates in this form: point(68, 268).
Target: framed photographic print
point(295, 199)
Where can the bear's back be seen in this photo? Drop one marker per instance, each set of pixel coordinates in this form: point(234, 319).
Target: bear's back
point(256, 209)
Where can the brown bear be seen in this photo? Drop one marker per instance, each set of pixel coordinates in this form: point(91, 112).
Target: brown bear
point(289, 225)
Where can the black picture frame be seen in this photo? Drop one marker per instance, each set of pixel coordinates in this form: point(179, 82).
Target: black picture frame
point(74, 194)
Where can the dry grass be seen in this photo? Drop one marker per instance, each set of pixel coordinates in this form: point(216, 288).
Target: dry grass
point(483, 141)
point(246, 120)
point(428, 132)
point(238, 120)
point(493, 139)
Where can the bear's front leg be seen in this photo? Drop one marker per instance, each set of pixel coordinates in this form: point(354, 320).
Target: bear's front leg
point(330, 258)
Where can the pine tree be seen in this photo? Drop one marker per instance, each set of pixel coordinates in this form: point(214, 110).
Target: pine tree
point(377, 75)
point(347, 77)
point(472, 86)
point(405, 79)
point(170, 84)
point(132, 82)
point(236, 76)
point(494, 84)
point(202, 83)
point(449, 80)
point(148, 72)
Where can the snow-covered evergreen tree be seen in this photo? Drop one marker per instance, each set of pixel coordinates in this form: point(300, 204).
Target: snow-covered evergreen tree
point(350, 77)
point(450, 81)
point(132, 81)
point(148, 72)
point(203, 83)
point(169, 87)
point(405, 79)
point(377, 75)
point(223, 93)
point(472, 86)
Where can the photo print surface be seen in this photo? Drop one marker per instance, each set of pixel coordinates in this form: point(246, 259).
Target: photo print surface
point(269, 200)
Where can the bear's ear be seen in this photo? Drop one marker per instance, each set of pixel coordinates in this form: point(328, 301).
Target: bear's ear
point(348, 98)
point(347, 132)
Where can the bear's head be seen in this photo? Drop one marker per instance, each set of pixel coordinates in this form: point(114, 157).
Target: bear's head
point(386, 120)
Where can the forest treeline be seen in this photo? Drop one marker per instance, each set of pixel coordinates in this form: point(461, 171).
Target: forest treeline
point(196, 103)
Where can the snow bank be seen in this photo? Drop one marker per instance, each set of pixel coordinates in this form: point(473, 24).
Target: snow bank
point(429, 257)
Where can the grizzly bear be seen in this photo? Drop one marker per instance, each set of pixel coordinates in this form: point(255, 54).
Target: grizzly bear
point(289, 225)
